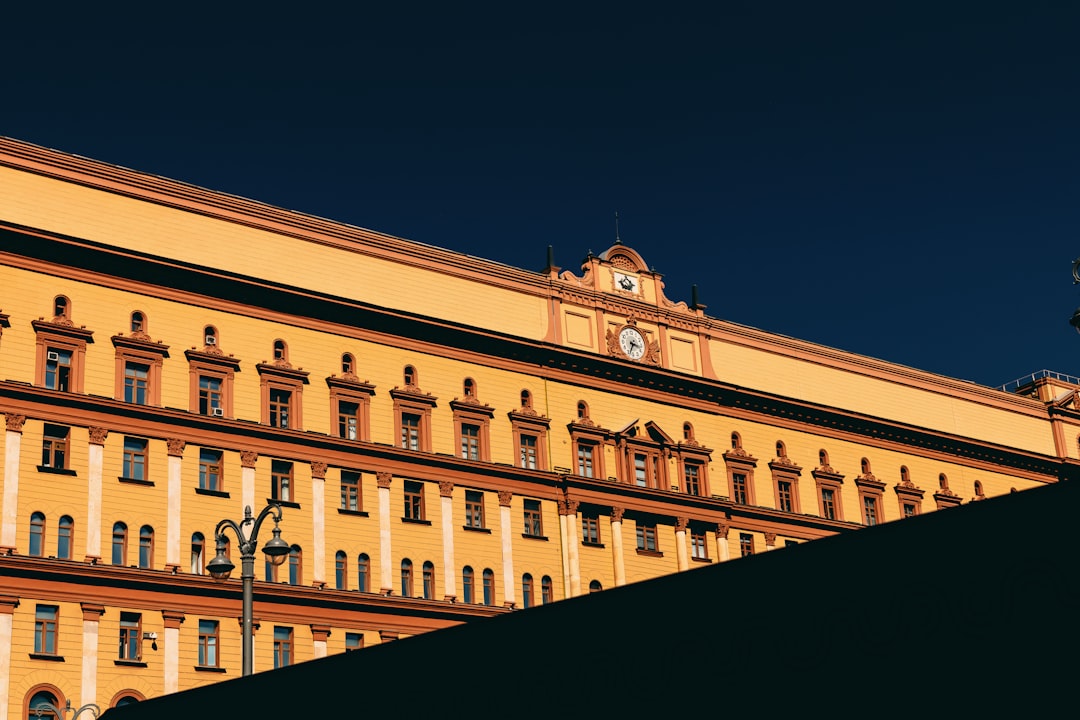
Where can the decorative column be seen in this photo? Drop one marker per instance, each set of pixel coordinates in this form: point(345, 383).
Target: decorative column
point(10, 522)
point(8, 603)
point(318, 523)
point(248, 459)
point(91, 616)
point(93, 493)
point(509, 584)
point(680, 543)
point(386, 575)
point(564, 545)
point(172, 547)
point(770, 541)
point(616, 545)
point(319, 633)
point(722, 552)
point(446, 502)
point(573, 534)
point(171, 661)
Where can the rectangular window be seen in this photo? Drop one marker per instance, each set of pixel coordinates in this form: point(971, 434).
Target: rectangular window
point(58, 369)
point(354, 641)
point(410, 431)
point(348, 420)
point(470, 442)
point(870, 510)
point(54, 447)
point(699, 548)
point(350, 490)
point(533, 526)
point(210, 469)
point(474, 509)
point(414, 500)
point(283, 646)
point(210, 395)
point(45, 619)
point(828, 503)
point(783, 492)
point(280, 405)
point(590, 529)
point(746, 544)
point(585, 460)
point(130, 636)
point(646, 538)
point(909, 510)
point(528, 445)
point(640, 469)
point(692, 478)
point(739, 489)
point(136, 383)
point(208, 643)
point(134, 458)
point(281, 481)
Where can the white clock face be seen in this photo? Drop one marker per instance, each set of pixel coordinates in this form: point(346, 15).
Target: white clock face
point(629, 283)
point(632, 342)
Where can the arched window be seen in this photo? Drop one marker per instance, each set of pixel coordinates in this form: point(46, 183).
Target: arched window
point(781, 449)
point(37, 535)
point(469, 388)
point(38, 700)
point(467, 581)
point(905, 476)
point(864, 464)
point(61, 307)
point(429, 580)
point(526, 399)
point(582, 409)
point(595, 586)
point(687, 431)
point(146, 547)
point(978, 488)
point(547, 592)
point(363, 572)
point(736, 441)
point(119, 544)
point(281, 351)
point(823, 458)
point(489, 587)
point(64, 532)
point(127, 697)
point(527, 590)
point(210, 335)
point(138, 322)
point(943, 482)
point(406, 578)
point(340, 573)
point(410, 376)
point(198, 548)
point(348, 364)
point(296, 556)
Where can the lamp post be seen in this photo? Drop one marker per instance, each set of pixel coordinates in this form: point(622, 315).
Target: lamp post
point(276, 551)
point(61, 713)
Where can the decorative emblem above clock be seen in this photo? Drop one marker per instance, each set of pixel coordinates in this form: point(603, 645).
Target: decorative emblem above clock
point(626, 282)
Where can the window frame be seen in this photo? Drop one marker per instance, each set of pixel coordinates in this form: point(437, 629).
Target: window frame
point(474, 510)
point(534, 516)
point(785, 475)
point(139, 349)
point(135, 460)
point(525, 422)
point(352, 495)
point(469, 413)
point(413, 495)
point(738, 462)
point(276, 377)
point(283, 646)
point(411, 401)
point(209, 644)
point(54, 444)
point(828, 480)
point(130, 637)
point(61, 334)
point(46, 630)
point(211, 465)
point(281, 481)
point(349, 389)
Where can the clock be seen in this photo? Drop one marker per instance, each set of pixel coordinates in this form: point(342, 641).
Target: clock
point(625, 282)
point(632, 342)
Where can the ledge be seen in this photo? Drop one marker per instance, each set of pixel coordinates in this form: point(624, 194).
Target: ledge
point(354, 513)
point(211, 493)
point(534, 537)
point(135, 481)
point(130, 663)
point(701, 560)
point(477, 529)
point(283, 503)
point(44, 656)
point(650, 553)
point(592, 544)
point(55, 470)
point(205, 668)
point(414, 521)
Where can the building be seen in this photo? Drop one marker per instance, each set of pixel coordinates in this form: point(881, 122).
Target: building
point(171, 355)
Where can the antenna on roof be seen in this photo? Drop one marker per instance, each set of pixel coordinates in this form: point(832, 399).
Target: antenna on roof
point(617, 240)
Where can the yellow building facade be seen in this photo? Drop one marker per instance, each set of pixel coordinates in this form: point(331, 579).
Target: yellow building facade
point(449, 438)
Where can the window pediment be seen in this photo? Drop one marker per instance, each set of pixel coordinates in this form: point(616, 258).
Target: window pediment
point(471, 406)
point(351, 383)
point(284, 371)
point(739, 458)
point(63, 327)
point(140, 343)
point(413, 395)
point(216, 359)
point(867, 481)
point(909, 490)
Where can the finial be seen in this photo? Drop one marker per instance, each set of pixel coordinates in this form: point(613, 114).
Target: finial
point(617, 240)
point(551, 257)
point(693, 296)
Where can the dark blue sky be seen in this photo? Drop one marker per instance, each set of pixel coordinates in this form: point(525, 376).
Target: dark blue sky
point(895, 179)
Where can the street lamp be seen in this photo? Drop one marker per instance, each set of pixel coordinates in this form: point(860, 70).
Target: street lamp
point(276, 551)
point(61, 713)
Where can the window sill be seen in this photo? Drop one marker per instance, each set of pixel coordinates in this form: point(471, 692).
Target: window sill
point(650, 553)
point(592, 544)
point(701, 560)
point(130, 663)
point(415, 521)
point(283, 503)
point(355, 513)
point(136, 481)
point(211, 493)
point(44, 656)
point(207, 668)
point(476, 529)
point(534, 537)
point(55, 470)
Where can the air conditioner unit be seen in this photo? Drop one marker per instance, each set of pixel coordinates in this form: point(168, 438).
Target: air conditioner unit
point(217, 412)
point(211, 340)
point(53, 356)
